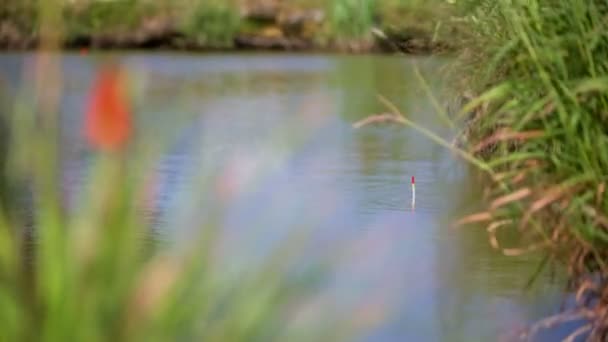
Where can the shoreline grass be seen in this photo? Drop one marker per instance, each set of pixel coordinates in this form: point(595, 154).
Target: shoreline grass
point(541, 121)
point(338, 25)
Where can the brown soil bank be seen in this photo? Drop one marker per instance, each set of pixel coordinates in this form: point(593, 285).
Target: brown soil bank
point(249, 25)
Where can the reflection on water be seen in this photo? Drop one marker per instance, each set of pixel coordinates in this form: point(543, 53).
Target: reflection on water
point(270, 140)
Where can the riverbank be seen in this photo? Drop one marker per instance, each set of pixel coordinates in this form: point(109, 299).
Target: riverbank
point(538, 126)
point(338, 25)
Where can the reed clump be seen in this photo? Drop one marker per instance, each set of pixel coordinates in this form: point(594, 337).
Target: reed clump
point(539, 121)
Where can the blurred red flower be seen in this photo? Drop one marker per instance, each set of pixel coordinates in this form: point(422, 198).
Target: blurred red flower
point(108, 116)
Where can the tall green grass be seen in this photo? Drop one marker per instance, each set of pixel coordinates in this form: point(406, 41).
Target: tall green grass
point(540, 122)
point(102, 17)
point(213, 23)
point(351, 19)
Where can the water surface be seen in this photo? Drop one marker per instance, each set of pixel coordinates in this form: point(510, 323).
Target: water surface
point(272, 136)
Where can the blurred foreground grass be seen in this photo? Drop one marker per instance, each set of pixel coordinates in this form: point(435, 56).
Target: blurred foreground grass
point(92, 274)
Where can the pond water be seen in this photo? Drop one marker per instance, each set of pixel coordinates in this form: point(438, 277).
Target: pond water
point(274, 134)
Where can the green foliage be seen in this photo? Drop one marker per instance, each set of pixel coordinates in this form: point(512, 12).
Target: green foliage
point(102, 16)
point(216, 23)
point(213, 24)
point(23, 14)
point(351, 19)
point(419, 19)
point(542, 120)
point(548, 59)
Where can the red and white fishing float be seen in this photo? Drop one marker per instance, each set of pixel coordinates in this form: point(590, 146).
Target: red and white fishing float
point(413, 192)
